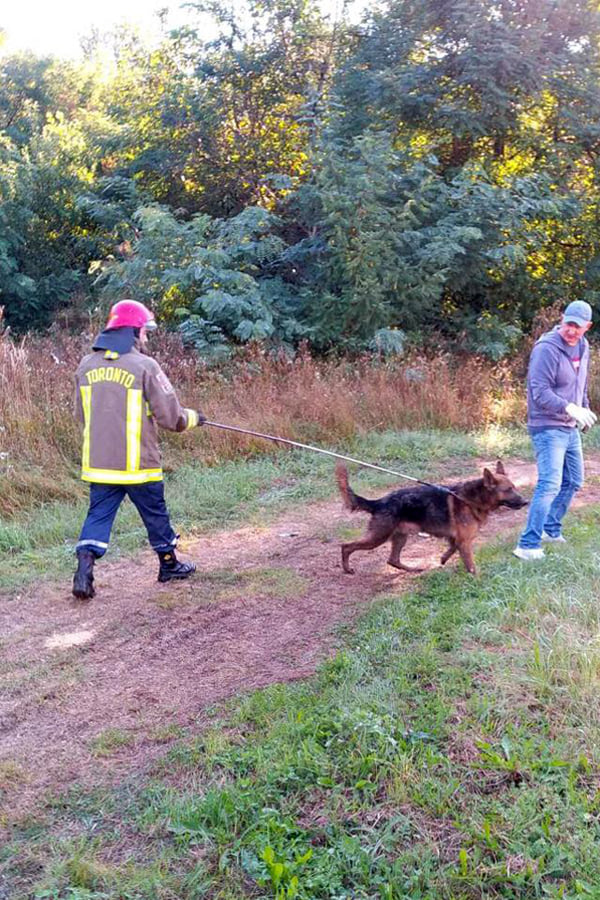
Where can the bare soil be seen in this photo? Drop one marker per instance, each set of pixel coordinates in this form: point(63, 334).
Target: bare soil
point(93, 692)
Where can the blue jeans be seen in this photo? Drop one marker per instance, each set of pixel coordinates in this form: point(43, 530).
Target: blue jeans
point(105, 499)
point(559, 460)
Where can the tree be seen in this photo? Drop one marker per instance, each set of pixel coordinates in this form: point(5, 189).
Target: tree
point(435, 166)
point(217, 278)
point(216, 123)
point(455, 176)
point(402, 246)
point(47, 238)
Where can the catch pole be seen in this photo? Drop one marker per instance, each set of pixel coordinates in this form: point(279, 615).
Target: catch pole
point(360, 462)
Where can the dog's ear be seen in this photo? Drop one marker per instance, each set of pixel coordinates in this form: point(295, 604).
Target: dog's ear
point(488, 478)
point(500, 468)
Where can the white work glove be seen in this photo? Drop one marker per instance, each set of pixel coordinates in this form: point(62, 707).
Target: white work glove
point(583, 416)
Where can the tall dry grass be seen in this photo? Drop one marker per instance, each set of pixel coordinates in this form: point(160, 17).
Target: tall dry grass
point(334, 401)
point(301, 398)
point(38, 434)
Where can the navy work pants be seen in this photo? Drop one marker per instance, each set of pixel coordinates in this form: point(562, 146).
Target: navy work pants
point(105, 499)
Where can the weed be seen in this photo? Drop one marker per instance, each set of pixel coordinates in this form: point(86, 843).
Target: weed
point(110, 741)
point(348, 532)
point(164, 734)
point(282, 583)
point(11, 774)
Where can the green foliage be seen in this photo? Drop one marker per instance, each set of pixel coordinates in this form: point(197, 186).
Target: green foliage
point(405, 247)
point(487, 335)
point(45, 238)
point(388, 342)
point(434, 167)
point(217, 277)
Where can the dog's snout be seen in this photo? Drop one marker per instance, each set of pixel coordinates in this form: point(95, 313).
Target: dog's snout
point(519, 502)
point(515, 501)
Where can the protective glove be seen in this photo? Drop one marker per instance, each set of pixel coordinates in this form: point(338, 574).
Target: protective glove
point(201, 417)
point(582, 415)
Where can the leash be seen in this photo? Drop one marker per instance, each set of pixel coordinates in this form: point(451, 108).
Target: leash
point(360, 462)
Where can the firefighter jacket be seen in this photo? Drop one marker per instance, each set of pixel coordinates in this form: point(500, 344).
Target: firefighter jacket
point(121, 400)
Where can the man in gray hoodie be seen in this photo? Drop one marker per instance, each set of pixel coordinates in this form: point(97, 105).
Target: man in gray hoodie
point(557, 402)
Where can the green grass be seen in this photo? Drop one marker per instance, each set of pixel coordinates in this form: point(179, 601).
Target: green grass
point(110, 741)
point(450, 750)
point(40, 544)
point(221, 585)
point(11, 773)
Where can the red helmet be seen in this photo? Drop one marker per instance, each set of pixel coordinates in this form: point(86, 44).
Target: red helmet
point(130, 313)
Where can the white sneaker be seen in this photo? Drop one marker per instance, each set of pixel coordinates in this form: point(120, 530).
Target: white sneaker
point(548, 539)
point(528, 553)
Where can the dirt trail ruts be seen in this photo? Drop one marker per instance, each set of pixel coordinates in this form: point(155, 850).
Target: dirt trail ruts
point(146, 660)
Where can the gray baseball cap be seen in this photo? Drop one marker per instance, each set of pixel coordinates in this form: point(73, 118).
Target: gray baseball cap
point(579, 312)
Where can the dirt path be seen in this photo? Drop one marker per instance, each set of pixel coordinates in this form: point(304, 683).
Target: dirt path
point(91, 692)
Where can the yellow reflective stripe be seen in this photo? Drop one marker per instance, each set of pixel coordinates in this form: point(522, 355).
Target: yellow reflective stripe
point(192, 418)
point(86, 402)
point(134, 429)
point(114, 476)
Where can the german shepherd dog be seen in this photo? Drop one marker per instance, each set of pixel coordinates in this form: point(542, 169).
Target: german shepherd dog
point(457, 516)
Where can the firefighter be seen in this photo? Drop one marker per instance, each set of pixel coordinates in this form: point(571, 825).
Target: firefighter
point(122, 396)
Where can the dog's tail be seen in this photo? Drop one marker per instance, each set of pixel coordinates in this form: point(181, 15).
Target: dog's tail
point(351, 500)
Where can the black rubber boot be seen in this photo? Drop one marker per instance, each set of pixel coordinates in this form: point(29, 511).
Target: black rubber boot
point(171, 569)
point(83, 580)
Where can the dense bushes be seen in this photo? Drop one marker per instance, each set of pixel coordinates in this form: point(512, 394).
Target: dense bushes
point(433, 168)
